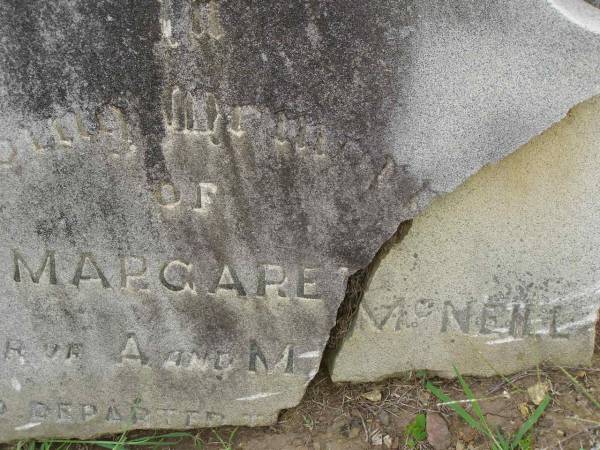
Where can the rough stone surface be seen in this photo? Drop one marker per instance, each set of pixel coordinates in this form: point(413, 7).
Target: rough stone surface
point(496, 277)
point(438, 435)
point(166, 166)
point(596, 3)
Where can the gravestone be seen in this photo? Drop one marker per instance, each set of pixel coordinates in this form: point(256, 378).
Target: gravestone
point(498, 276)
point(186, 185)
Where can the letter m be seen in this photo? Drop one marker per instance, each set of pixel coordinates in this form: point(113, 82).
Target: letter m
point(47, 262)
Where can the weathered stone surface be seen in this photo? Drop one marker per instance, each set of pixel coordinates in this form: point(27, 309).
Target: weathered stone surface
point(496, 277)
point(167, 165)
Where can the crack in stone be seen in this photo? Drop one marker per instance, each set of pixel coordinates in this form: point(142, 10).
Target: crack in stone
point(358, 283)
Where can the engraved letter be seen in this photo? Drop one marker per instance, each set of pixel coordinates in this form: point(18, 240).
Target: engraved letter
point(256, 354)
point(307, 289)
point(14, 349)
point(270, 282)
point(488, 314)
point(167, 413)
point(167, 194)
point(204, 197)
point(214, 419)
point(183, 110)
point(35, 277)
point(79, 271)
point(193, 418)
point(137, 413)
point(206, 20)
point(39, 411)
point(50, 350)
point(74, 351)
point(65, 412)
point(63, 140)
point(187, 280)
point(229, 281)
point(285, 362)
point(128, 272)
point(519, 321)
point(462, 316)
point(113, 414)
point(131, 354)
point(554, 325)
point(88, 412)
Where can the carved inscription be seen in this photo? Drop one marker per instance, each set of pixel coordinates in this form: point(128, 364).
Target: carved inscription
point(255, 360)
point(131, 272)
point(131, 354)
point(202, 114)
point(66, 412)
point(17, 353)
point(206, 21)
point(169, 196)
point(202, 23)
point(108, 129)
point(509, 319)
point(258, 362)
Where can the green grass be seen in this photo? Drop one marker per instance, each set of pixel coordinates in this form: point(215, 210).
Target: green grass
point(416, 431)
point(120, 443)
point(123, 442)
point(521, 440)
point(226, 444)
point(580, 388)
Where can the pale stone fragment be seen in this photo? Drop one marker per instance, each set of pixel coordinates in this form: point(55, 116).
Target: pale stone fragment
point(498, 276)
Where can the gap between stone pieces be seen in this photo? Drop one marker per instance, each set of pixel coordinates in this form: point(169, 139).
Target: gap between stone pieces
point(358, 283)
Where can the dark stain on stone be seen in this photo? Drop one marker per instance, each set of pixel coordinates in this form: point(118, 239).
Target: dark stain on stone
point(56, 56)
point(330, 59)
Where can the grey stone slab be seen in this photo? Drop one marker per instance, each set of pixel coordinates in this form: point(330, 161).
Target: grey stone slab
point(498, 276)
point(186, 185)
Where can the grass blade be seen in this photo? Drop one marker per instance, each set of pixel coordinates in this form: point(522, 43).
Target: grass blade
point(471, 396)
point(105, 445)
point(469, 393)
point(455, 407)
point(530, 422)
point(580, 388)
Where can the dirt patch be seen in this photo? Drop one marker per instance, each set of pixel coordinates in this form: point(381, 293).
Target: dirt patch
point(336, 417)
point(376, 415)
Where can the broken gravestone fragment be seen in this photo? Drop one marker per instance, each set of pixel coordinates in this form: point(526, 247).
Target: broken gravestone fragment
point(186, 185)
point(498, 276)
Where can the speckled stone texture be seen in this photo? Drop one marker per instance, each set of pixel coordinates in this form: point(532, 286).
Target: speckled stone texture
point(185, 186)
point(499, 276)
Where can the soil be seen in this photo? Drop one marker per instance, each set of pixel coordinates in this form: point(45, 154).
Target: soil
point(341, 417)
